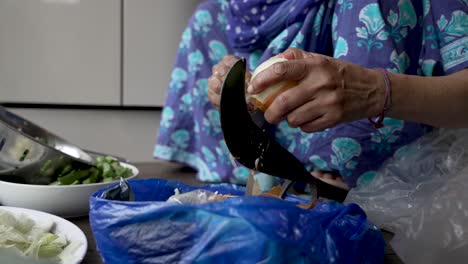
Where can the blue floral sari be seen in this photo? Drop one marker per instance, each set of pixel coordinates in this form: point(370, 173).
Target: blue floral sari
point(412, 37)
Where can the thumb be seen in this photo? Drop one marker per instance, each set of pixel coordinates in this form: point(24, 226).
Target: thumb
point(295, 54)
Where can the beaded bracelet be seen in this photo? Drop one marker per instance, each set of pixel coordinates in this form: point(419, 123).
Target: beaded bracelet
point(377, 121)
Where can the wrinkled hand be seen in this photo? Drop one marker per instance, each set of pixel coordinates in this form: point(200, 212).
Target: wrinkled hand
point(216, 80)
point(328, 91)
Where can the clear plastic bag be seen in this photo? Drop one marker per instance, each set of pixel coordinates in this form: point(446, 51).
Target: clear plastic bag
point(421, 195)
point(198, 196)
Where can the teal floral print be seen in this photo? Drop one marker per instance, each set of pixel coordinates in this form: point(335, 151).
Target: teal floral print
point(209, 157)
point(254, 59)
point(387, 135)
point(217, 51)
point(222, 21)
point(195, 59)
point(455, 28)
point(400, 61)
point(318, 20)
point(223, 152)
point(286, 136)
point(373, 31)
point(184, 44)
point(319, 163)
point(186, 105)
point(279, 43)
point(166, 118)
point(403, 21)
point(178, 78)
point(345, 150)
point(212, 122)
point(334, 25)
point(200, 95)
point(203, 22)
point(180, 138)
point(366, 178)
point(341, 48)
point(298, 41)
point(304, 142)
point(427, 67)
point(241, 173)
point(345, 5)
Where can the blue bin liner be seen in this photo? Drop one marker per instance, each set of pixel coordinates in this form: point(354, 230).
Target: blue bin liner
point(244, 229)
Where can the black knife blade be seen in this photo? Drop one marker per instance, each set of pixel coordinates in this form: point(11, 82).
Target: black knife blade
point(252, 146)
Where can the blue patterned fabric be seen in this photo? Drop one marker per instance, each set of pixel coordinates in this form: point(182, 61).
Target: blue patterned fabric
point(412, 37)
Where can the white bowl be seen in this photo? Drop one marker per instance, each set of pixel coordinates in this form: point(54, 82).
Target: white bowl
point(62, 200)
point(76, 248)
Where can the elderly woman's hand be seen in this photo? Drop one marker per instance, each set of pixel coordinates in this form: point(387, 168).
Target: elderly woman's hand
point(328, 91)
point(216, 80)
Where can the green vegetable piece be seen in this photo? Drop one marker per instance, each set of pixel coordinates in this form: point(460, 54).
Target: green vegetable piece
point(100, 160)
point(23, 156)
point(87, 181)
point(93, 176)
point(127, 173)
point(75, 183)
point(110, 159)
point(106, 170)
point(66, 170)
point(108, 179)
point(73, 176)
point(67, 179)
point(49, 251)
point(45, 167)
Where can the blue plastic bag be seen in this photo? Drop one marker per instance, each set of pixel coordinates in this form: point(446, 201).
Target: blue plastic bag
point(245, 229)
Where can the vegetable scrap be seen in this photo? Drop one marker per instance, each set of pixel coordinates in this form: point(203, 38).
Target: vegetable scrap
point(30, 239)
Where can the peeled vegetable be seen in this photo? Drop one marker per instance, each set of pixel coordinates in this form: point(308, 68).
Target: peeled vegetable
point(22, 235)
point(264, 99)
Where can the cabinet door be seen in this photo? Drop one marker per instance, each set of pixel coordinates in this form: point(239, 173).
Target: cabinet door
point(60, 51)
point(152, 31)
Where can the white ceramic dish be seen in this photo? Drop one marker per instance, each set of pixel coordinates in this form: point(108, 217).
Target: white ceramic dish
point(78, 244)
point(62, 200)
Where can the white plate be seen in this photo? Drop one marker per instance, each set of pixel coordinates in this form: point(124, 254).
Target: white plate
point(62, 200)
point(76, 238)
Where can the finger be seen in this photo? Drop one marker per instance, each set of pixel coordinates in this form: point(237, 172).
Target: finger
point(331, 179)
point(305, 113)
point(288, 101)
point(229, 60)
point(293, 70)
point(295, 54)
point(219, 69)
point(214, 84)
point(214, 98)
point(319, 124)
point(248, 76)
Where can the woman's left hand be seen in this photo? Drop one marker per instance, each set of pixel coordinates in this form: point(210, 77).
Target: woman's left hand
point(328, 91)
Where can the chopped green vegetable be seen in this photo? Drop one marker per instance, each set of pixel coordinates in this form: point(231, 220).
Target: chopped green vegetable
point(106, 169)
point(23, 156)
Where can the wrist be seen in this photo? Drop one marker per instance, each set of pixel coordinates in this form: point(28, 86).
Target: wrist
point(376, 99)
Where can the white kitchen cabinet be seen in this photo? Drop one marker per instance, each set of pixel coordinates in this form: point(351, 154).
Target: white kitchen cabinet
point(60, 51)
point(152, 31)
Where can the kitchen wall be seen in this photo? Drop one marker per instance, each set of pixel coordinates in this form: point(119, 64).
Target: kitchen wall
point(112, 57)
point(127, 133)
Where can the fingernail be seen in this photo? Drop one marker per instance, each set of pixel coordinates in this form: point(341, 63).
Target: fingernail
point(250, 89)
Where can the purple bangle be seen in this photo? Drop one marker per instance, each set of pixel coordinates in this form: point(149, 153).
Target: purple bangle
point(377, 121)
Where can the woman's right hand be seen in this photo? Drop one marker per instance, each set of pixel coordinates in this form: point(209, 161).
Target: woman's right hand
point(218, 74)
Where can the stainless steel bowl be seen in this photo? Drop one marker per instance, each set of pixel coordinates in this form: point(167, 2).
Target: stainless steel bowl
point(31, 154)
